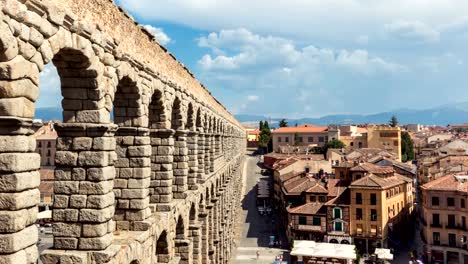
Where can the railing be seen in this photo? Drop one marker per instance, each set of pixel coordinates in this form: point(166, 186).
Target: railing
point(438, 225)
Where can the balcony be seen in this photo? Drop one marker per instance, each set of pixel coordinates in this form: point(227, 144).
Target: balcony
point(436, 225)
point(309, 228)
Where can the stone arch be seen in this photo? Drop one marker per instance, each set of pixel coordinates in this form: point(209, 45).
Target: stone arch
point(193, 213)
point(180, 228)
point(157, 110)
point(334, 241)
point(191, 118)
point(162, 249)
point(177, 121)
point(132, 145)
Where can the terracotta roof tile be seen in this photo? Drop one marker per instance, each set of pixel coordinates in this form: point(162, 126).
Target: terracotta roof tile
point(374, 181)
point(451, 182)
point(372, 168)
point(308, 208)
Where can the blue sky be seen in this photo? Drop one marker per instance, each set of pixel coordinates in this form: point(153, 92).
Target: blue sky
point(301, 58)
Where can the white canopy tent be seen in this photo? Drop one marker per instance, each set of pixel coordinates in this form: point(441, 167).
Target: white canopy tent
point(305, 248)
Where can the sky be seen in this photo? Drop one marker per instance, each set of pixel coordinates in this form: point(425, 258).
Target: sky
point(302, 58)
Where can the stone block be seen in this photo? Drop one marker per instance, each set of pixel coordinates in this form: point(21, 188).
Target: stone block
point(78, 174)
point(65, 243)
point(139, 151)
point(19, 181)
point(93, 158)
point(66, 229)
point(66, 187)
point(61, 201)
point(97, 215)
point(100, 201)
point(101, 187)
point(10, 243)
point(135, 193)
point(82, 143)
point(19, 106)
point(78, 201)
point(101, 116)
point(19, 162)
point(19, 68)
point(104, 143)
point(19, 200)
point(8, 44)
point(141, 173)
point(101, 174)
point(19, 88)
point(95, 243)
point(65, 215)
point(66, 158)
point(95, 230)
point(14, 221)
point(139, 203)
point(139, 183)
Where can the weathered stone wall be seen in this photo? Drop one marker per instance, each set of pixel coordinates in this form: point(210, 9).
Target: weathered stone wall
point(160, 183)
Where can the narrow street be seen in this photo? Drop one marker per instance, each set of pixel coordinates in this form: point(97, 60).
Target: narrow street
point(255, 229)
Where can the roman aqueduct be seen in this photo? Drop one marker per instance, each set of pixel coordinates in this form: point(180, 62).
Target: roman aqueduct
point(160, 183)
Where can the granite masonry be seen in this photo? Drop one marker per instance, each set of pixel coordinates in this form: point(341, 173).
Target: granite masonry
point(148, 163)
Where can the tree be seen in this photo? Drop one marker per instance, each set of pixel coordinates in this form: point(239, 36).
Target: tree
point(407, 147)
point(283, 123)
point(265, 136)
point(335, 143)
point(260, 126)
point(296, 139)
point(393, 121)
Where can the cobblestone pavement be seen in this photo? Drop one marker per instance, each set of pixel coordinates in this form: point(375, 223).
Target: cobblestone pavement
point(254, 229)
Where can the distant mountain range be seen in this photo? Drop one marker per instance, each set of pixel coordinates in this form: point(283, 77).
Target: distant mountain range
point(442, 115)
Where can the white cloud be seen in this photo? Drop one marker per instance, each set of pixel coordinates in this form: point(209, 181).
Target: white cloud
point(412, 31)
point(159, 34)
point(306, 20)
point(252, 98)
point(271, 53)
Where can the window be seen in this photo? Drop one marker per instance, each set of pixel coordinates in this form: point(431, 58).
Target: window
point(387, 194)
point(322, 199)
point(452, 240)
point(359, 213)
point(373, 215)
point(337, 213)
point(451, 220)
point(358, 198)
point(48, 144)
point(321, 139)
point(436, 238)
point(48, 153)
point(279, 139)
point(395, 143)
point(462, 203)
point(360, 144)
point(339, 226)
point(351, 144)
point(463, 222)
point(373, 199)
point(450, 201)
point(435, 201)
point(435, 219)
point(316, 221)
point(48, 161)
point(312, 198)
point(39, 144)
point(358, 176)
point(302, 220)
point(310, 139)
point(286, 139)
point(300, 139)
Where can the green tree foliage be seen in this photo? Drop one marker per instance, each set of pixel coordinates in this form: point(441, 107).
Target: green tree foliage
point(296, 139)
point(265, 136)
point(407, 147)
point(283, 123)
point(335, 143)
point(260, 126)
point(393, 121)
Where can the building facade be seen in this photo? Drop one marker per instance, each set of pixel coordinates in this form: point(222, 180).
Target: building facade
point(445, 219)
point(385, 137)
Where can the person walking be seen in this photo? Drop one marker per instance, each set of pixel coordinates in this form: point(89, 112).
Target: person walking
point(258, 254)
